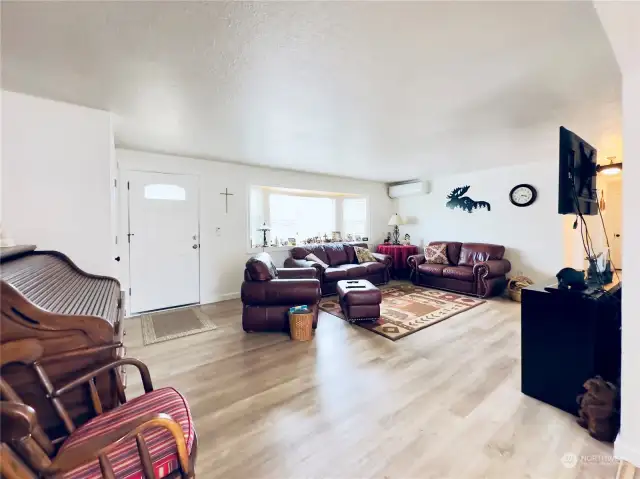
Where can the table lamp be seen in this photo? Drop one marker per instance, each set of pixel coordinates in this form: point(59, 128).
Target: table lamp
point(394, 221)
point(264, 228)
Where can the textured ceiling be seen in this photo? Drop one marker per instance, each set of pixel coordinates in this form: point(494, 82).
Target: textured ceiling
point(376, 90)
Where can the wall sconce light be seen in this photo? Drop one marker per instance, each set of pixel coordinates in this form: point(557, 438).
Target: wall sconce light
point(610, 169)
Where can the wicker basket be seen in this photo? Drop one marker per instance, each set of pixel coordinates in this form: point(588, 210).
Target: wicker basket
point(301, 326)
point(516, 285)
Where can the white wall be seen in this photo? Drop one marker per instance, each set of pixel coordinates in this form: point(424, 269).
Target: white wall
point(222, 257)
point(628, 442)
point(533, 236)
point(621, 21)
point(57, 166)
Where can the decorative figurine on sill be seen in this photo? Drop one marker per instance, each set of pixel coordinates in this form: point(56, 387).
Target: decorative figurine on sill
point(407, 239)
point(387, 240)
point(326, 238)
point(350, 237)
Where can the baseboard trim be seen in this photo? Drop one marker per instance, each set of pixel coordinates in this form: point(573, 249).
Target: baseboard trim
point(222, 297)
point(215, 299)
point(627, 452)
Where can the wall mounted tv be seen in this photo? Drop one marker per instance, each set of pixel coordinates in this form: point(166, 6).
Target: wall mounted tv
point(577, 187)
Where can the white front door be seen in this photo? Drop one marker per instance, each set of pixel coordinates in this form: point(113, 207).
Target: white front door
point(164, 250)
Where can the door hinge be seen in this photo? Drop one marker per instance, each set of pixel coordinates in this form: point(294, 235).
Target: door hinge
point(129, 291)
point(116, 240)
point(127, 185)
point(115, 183)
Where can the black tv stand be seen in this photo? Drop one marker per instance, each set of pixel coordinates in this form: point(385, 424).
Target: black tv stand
point(567, 338)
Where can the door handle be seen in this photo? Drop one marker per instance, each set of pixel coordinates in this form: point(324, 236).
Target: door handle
point(117, 258)
point(617, 235)
point(195, 246)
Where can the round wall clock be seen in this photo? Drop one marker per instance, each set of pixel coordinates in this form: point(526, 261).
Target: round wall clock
point(523, 195)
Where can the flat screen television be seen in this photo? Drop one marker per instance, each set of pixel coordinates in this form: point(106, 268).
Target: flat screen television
point(577, 186)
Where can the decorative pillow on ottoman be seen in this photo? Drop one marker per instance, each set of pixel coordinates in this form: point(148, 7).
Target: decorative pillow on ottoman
point(364, 255)
point(436, 254)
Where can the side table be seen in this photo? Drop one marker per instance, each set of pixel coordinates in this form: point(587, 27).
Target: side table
point(399, 253)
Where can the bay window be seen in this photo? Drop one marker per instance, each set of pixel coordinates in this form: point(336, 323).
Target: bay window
point(303, 216)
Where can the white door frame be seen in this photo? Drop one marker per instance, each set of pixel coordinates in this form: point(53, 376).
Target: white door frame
point(124, 272)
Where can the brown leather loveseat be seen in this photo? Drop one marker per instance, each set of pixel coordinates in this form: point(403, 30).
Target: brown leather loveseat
point(268, 292)
point(341, 263)
point(474, 268)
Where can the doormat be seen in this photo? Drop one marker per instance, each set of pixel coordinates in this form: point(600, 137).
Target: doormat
point(177, 323)
point(406, 309)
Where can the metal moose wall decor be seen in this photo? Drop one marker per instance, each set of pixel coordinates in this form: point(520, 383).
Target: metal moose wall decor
point(456, 200)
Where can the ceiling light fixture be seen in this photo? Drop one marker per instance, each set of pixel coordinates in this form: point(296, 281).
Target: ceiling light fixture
point(610, 169)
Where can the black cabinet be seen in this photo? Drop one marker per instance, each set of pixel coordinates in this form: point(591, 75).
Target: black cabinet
point(567, 338)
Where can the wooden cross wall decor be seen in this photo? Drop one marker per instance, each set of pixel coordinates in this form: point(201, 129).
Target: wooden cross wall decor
point(226, 199)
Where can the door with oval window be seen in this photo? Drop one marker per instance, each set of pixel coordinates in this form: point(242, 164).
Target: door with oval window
point(164, 244)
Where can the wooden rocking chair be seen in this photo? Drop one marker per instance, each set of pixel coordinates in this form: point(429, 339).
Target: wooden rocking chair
point(151, 436)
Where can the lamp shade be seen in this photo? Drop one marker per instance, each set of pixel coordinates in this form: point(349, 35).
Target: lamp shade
point(264, 227)
point(396, 220)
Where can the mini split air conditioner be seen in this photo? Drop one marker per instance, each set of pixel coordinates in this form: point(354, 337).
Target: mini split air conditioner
point(408, 189)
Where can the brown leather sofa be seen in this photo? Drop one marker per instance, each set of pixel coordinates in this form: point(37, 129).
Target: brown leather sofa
point(268, 292)
point(474, 268)
point(342, 264)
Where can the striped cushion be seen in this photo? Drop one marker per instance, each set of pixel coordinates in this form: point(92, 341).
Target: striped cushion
point(124, 459)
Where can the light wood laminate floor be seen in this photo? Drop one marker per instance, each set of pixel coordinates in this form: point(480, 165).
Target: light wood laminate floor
point(441, 403)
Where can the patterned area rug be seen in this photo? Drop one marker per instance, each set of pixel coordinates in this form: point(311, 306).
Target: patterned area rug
point(406, 309)
point(176, 323)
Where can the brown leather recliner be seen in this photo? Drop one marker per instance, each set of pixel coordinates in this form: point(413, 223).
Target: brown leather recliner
point(268, 292)
point(342, 264)
point(474, 268)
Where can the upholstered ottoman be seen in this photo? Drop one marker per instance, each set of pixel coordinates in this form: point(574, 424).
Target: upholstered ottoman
point(359, 300)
